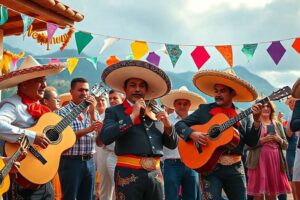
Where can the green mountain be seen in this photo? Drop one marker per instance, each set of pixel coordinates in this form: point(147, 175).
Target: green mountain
point(86, 69)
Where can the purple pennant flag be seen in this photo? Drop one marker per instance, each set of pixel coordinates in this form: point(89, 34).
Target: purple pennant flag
point(276, 51)
point(51, 28)
point(153, 58)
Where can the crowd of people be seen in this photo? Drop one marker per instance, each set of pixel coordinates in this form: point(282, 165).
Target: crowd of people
point(126, 143)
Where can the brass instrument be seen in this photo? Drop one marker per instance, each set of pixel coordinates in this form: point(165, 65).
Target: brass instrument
point(152, 109)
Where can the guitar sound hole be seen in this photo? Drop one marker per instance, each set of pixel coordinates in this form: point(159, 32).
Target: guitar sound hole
point(52, 135)
point(214, 132)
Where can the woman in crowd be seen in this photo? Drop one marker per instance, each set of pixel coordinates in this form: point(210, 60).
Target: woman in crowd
point(266, 163)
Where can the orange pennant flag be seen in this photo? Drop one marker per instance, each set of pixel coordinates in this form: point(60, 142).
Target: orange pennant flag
point(139, 49)
point(296, 45)
point(112, 60)
point(226, 51)
point(72, 64)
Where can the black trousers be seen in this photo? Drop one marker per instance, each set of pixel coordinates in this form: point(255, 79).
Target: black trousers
point(138, 184)
point(17, 192)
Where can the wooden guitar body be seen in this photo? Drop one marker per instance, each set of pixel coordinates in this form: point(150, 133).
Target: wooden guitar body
point(6, 181)
point(205, 158)
point(32, 168)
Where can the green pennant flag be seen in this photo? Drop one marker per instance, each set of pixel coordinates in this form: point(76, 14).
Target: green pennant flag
point(174, 53)
point(248, 50)
point(3, 15)
point(82, 40)
point(94, 61)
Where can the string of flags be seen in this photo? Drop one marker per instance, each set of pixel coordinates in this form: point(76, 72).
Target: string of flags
point(140, 49)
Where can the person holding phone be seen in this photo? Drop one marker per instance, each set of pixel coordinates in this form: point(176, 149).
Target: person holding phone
point(266, 163)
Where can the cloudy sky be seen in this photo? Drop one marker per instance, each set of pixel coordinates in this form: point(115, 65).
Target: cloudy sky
point(193, 22)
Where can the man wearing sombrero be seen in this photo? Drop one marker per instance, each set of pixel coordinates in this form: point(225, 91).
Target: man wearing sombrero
point(295, 126)
point(176, 174)
point(139, 139)
point(22, 111)
point(226, 88)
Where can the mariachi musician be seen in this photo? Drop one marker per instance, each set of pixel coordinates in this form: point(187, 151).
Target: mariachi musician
point(226, 88)
point(139, 139)
point(21, 111)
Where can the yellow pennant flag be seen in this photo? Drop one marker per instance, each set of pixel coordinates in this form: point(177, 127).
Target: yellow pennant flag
point(139, 49)
point(226, 51)
point(72, 64)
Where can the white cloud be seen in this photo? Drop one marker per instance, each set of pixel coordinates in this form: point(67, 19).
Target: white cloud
point(203, 6)
point(280, 78)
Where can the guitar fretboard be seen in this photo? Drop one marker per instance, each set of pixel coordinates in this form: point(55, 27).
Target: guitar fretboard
point(240, 116)
point(71, 116)
point(10, 163)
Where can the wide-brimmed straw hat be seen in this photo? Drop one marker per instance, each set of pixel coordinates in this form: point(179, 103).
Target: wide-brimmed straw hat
point(157, 80)
point(206, 80)
point(182, 93)
point(29, 69)
point(65, 98)
point(296, 89)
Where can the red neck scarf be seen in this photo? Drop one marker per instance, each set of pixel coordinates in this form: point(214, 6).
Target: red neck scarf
point(34, 108)
point(128, 111)
point(230, 112)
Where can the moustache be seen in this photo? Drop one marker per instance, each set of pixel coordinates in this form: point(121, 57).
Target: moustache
point(135, 94)
point(217, 98)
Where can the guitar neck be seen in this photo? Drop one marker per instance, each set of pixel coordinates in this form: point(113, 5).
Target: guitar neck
point(71, 116)
point(10, 163)
point(240, 116)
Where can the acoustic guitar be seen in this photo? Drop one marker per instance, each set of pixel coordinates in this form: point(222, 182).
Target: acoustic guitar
point(221, 136)
point(40, 165)
point(5, 168)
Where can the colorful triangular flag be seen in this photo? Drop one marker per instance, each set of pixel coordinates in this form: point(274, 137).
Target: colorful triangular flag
point(54, 60)
point(72, 64)
point(226, 52)
point(200, 56)
point(153, 58)
point(94, 61)
point(27, 21)
point(3, 15)
point(51, 28)
point(108, 42)
point(248, 50)
point(174, 53)
point(276, 51)
point(112, 60)
point(296, 45)
point(82, 40)
point(139, 49)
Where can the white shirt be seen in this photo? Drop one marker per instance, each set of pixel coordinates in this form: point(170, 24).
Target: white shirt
point(14, 118)
point(172, 153)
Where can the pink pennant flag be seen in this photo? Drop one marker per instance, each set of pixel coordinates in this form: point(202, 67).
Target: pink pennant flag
point(51, 28)
point(200, 56)
point(14, 62)
point(54, 60)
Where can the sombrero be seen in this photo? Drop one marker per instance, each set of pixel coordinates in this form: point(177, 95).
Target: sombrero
point(65, 98)
point(182, 93)
point(116, 74)
point(296, 89)
point(206, 80)
point(29, 69)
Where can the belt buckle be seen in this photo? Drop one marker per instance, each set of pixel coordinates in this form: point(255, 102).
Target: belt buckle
point(148, 163)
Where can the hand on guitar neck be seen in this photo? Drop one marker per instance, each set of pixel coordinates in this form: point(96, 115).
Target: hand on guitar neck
point(16, 164)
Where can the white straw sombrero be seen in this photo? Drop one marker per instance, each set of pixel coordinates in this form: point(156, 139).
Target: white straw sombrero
point(65, 98)
point(29, 69)
point(296, 89)
point(116, 74)
point(182, 93)
point(206, 80)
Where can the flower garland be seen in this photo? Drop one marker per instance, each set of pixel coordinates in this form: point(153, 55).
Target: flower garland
point(42, 38)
